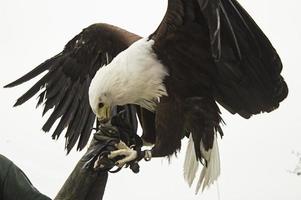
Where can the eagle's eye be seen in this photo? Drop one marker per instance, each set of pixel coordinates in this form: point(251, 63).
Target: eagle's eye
point(100, 105)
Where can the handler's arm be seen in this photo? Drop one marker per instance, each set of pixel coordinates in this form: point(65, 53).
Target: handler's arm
point(14, 185)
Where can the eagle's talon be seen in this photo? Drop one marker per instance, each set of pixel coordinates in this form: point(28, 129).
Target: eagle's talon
point(129, 155)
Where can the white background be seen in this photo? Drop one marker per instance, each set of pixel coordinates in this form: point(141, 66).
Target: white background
point(256, 154)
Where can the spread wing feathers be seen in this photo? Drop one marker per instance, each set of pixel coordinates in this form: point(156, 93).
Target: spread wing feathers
point(247, 76)
point(245, 73)
point(218, 21)
point(65, 85)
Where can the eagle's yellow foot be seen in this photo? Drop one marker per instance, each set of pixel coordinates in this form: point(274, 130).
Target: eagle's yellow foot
point(123, 150)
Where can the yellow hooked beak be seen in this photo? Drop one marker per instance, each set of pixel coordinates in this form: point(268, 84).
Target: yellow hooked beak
point(104, 114)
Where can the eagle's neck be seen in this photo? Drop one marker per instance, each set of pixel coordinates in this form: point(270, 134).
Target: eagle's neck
point(135, 76)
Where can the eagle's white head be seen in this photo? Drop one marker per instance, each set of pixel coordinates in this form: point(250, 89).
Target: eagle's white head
point(135, 76)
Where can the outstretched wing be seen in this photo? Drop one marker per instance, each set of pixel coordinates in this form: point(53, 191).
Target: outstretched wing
point(65, 85)
point(235, 58)
point(248, 67)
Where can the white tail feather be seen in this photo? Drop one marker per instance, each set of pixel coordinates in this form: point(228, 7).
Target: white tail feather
point(191, 164)
point(210, 173)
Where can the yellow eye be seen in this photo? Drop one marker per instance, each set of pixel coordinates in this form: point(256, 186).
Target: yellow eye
point(100, 105)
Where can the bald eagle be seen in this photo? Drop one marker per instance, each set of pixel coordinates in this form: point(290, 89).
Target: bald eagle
point(203, 53)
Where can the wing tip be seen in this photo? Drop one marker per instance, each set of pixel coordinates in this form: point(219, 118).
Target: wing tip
point(12, 84)
point(7, 86)
point(18, 103)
